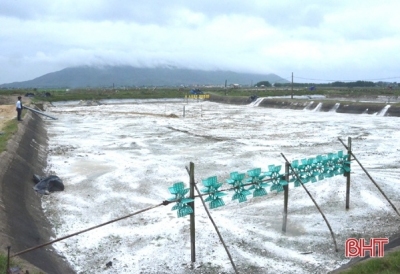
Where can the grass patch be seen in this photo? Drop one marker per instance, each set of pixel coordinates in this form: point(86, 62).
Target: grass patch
point(9, 129)
point(386, 265)
point(179, 92)
point(16, 263)
point(98, 94)
point(3, 263)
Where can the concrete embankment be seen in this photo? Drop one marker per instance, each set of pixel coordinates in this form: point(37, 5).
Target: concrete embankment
point(325, 105)
point(23, 224)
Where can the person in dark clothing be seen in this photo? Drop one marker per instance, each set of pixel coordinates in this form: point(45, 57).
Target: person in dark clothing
point(19, 108)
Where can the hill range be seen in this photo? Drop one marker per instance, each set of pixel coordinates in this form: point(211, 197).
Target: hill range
point(128, 76)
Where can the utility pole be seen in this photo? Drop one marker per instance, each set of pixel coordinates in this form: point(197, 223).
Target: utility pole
point(292, 85)
point(225, 86)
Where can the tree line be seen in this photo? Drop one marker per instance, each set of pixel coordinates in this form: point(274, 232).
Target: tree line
point(333, 84)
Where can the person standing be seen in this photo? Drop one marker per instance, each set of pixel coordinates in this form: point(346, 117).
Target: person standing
point(19, 108)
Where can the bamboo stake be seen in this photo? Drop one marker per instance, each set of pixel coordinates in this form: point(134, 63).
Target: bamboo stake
point(192, 216)
point(369, 176)
point(216, 229)
point(348, 175)
point(286, 198)
point(215, 226)
point(315, 203)
point(8, 259)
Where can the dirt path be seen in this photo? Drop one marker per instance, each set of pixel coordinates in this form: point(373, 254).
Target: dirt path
point(7, 108)
point(7, 112)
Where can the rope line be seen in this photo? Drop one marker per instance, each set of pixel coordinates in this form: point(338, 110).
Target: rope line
point(88, 229)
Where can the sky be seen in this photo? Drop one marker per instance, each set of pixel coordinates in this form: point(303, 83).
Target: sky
point(317, 41)
point(119, 157)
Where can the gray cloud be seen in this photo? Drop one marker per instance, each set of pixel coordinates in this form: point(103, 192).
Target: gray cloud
point(322, 40)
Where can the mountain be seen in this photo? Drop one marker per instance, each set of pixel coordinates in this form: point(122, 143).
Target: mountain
point(109, 76)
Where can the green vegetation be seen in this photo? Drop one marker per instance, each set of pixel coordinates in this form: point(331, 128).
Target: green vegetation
point(11, 92)
point(352, 84)
point(9, 129)
point(386, 265)
point(3, 263)
point(98, 94)
point(263, 84)
point(170, 92)
point(16, 263)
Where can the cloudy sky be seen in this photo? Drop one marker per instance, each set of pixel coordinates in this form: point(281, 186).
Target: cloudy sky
point(319, 41)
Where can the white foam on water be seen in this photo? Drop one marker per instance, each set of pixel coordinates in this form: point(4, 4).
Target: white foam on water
point(116, 159)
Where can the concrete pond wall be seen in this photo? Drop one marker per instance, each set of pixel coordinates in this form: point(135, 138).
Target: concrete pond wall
point(311, 104)
point(22, 221)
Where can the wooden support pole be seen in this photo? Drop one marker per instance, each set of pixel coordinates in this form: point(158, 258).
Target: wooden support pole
point(8, 259)
point(292, 86)
point(372, 180)
point(348, 174)
point(286, 198)
point(192, 219)
point(216, 228)
point(315, 203)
